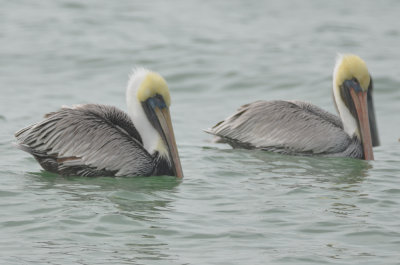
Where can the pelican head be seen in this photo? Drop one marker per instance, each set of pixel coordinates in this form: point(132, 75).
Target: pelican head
point(148, 101)
point(352, 85)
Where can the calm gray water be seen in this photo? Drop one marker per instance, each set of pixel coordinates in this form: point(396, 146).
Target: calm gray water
point(233, 206)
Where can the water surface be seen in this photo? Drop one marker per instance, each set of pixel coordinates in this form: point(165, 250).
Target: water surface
point(233, 206)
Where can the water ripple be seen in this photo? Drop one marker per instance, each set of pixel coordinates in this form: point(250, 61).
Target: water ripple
point(233, 206)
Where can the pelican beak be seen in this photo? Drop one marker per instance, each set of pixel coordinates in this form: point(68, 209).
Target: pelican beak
point(359, 98)
point(164, 119)
point(158, 113)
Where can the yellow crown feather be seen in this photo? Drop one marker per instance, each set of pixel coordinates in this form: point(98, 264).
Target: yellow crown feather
point(349, 67)
point(152, 85)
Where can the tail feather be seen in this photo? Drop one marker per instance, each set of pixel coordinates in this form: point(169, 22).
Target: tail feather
point(30, 150)
point(20, 134)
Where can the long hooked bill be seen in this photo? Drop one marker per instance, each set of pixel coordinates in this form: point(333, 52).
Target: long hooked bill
point(166, 125)
point(360, 102)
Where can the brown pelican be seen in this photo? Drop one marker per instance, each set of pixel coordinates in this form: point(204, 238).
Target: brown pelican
point(300, 128)
point(100, 140)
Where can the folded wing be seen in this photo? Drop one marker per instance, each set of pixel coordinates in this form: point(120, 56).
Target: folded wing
point(87, 140)
point(292, 127)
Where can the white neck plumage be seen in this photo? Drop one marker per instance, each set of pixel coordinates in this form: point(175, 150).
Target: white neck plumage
point(349, 122)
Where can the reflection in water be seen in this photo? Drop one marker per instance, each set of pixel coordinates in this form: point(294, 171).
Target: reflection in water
point(130, 210)
point(341, 178)
point(300, 170)
point(335, 183)
point(336, 170)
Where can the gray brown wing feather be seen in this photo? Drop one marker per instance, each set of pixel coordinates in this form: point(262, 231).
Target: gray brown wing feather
point(89, 140)
point(292, 127)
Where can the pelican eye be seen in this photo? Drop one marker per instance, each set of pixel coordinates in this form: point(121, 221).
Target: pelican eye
point(157, 101)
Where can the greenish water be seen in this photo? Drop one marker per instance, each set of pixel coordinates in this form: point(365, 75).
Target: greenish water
point(233, 206)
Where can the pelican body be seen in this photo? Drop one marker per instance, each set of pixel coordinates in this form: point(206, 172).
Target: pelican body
point(101, 140)
point(300, 128)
